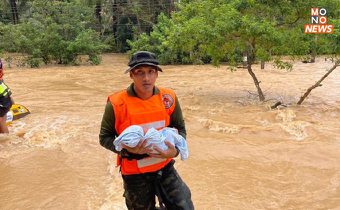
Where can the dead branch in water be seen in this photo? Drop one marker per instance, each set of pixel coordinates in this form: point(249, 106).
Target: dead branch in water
point(318, 83)
point(279, 103)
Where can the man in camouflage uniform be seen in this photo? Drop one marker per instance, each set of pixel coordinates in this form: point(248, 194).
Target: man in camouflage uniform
point(165, 183)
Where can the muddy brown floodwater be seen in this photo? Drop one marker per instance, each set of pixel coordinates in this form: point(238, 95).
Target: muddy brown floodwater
point(242, 154)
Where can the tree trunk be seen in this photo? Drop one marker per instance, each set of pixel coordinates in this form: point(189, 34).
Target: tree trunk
point(313, 55)
point(250, 60)
point(115, 19)
point(171, 7)
point(313, 50)
point(318, 83)
point(98, 11)
point(14, 11)
point(262, 64)
point(256, 82)
point(138, 18)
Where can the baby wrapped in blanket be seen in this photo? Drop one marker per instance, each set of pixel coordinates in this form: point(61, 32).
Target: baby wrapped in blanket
point(133, 134)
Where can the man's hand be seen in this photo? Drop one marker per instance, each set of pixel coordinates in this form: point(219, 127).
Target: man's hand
point(171, 152)
point(140, 148)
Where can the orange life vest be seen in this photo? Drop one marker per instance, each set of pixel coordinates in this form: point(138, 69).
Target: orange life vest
point(151, 113)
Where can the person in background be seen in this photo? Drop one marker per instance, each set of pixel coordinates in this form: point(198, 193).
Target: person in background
point(146, 174)
point(6, 101)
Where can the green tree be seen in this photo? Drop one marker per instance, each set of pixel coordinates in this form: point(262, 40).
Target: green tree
point(54, 31)
point(131, 18)
point(229, 30)
point(158, 41)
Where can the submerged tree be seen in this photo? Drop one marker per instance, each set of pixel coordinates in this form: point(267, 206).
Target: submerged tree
point(220, 30)
point(328, 44)
point(318, 83)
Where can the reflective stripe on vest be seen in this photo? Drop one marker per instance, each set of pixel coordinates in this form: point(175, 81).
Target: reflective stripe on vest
point(151, 113)
point(4, 89)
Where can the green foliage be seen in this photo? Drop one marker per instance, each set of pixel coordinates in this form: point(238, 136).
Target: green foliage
point(95, 59)
point(109, 42)
point(34, 62)
point(218, 30)
point(157, 41)
point(282, 64)
point(115, 21)
point(200, 31)
point(204, 28)
point(56, 31)
point(87, 42)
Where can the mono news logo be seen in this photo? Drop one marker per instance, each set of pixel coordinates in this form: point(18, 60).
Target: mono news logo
point(318, 22)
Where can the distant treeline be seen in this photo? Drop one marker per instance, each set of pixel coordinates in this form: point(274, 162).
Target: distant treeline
point(58, 31)
point(186, 31)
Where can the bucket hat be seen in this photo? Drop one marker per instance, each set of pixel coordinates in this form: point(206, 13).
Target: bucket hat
point(143, 58)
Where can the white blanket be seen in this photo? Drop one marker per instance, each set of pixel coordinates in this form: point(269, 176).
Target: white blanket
point(132, 135)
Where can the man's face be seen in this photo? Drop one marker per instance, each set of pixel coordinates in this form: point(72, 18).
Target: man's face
point(144, 78)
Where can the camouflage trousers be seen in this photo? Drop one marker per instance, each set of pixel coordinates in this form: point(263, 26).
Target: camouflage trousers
point(141, 190)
